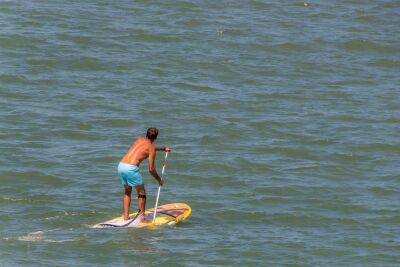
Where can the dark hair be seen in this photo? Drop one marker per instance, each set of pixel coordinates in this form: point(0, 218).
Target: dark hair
point(152, 133)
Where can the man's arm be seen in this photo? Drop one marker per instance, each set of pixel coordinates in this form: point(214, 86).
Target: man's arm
point(163, 148)
point(152, 168)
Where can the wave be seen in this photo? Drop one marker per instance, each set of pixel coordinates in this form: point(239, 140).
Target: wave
point(40, 236)
point(362, 44)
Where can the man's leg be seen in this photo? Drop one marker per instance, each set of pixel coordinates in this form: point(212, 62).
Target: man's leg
point(127, 201)
point(141, 202)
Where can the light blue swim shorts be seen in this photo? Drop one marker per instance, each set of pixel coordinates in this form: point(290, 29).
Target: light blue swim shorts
point(129, 174)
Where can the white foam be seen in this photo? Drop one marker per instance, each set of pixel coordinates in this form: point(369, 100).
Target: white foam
point(41, 236)
point(34, 236)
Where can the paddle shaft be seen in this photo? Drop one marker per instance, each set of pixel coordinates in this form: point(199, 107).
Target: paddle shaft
point(159, 187)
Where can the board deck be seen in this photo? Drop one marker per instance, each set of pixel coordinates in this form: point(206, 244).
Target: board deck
point(168, 214)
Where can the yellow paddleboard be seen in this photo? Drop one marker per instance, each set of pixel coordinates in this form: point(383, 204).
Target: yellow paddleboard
point(168, 214)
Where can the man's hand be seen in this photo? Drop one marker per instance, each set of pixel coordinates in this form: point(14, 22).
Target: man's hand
point(161, 182)
point(167, 149)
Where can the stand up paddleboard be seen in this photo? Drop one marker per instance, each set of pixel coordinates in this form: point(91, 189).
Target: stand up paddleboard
point(168, 214)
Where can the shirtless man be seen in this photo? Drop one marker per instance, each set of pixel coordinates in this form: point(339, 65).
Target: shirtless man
point(128, 170)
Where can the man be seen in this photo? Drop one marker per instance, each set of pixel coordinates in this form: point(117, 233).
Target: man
point(128, 171)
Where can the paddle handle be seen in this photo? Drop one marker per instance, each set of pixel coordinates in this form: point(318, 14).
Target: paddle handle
point(159, 187)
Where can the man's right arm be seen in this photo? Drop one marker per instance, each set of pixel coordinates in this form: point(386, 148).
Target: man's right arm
point(162, 148)
point(152, 168)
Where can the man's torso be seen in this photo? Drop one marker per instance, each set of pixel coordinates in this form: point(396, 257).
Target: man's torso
point(138, 152)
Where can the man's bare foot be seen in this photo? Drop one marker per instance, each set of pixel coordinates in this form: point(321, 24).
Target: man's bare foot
point(142, 219)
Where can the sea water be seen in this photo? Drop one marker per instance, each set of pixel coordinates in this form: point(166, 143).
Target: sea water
point(283, 118)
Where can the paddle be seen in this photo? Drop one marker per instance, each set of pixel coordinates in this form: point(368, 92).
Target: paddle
point(159, 187)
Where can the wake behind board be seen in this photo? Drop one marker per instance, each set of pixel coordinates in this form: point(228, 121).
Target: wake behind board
point(168, 214)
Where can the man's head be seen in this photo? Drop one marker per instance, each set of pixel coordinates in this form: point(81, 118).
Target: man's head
point(152, 133)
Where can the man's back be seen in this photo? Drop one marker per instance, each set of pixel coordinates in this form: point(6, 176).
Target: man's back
point(138, 151)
